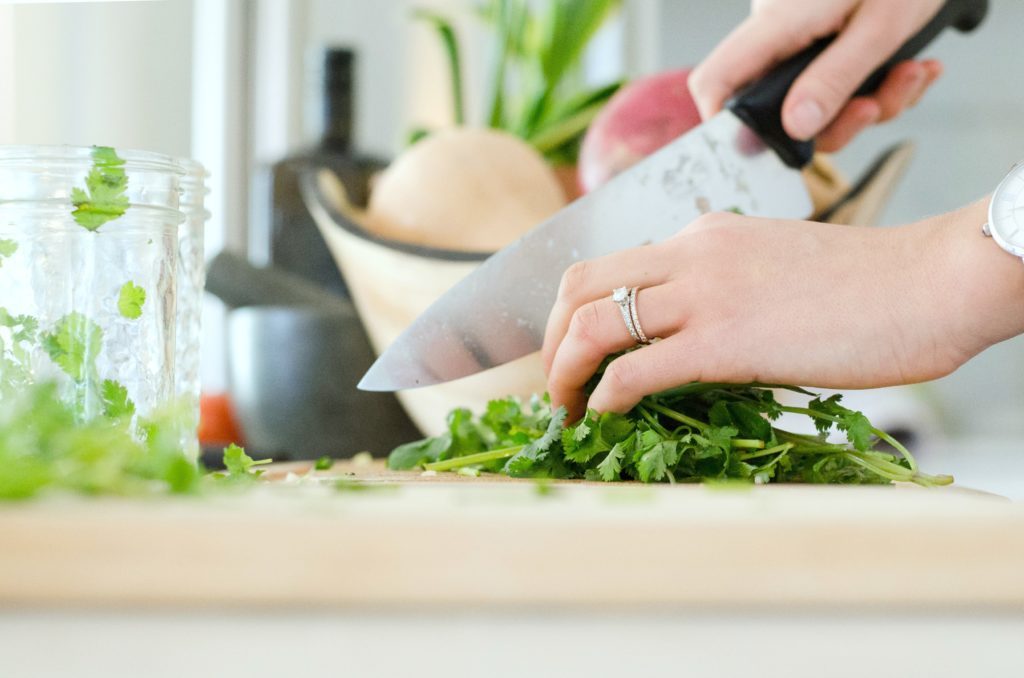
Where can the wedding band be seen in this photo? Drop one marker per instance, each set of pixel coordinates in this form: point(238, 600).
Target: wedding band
point(641, 337)
point(623, 297)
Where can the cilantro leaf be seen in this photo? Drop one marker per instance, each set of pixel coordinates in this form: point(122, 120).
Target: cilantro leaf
point(7, 249)
point(130, 300)
point(415, 454)
point(611, 466)
point(116, 403)
point(858, 430)
point(74, 344)
point(854, 424)
point(240, 464)
point(104, 197)
point(521, 464)
point(23, 327)
point(654, 462)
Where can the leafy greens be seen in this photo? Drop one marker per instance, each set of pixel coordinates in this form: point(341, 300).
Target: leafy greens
point(693, 433)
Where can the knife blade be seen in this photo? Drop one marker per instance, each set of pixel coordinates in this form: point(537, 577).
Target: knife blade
point(739, 159)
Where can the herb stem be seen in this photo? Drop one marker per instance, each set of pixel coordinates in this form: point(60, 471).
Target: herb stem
point(470, 459)
point(652, 420)
point(784, 447)
point(678, 416)
point(878, 433)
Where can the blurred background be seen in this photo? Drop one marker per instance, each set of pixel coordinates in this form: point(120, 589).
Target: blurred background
point(238, 85)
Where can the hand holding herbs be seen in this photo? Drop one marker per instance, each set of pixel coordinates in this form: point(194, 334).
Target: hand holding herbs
point(738, 299)
point(694, 433)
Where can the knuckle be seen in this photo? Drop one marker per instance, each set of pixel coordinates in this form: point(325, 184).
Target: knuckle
point(573, 280)
point(832, 88)
point(622, 376)
point(709, 221)
point(584, 327)
point(697, 82)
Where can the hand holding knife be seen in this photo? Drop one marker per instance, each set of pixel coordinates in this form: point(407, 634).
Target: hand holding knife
point(741, 158)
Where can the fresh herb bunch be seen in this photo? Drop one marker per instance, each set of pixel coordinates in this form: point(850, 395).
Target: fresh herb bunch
point(537, 53)
point(693, 433)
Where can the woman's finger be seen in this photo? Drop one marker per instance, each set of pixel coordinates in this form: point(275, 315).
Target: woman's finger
point(749, 51)
point(901, 89)
point(650, 369)
point(588, 281)
point(904, 81)
point(934, 70)
point(597, 330)
point(860, 113)
point(872, 35)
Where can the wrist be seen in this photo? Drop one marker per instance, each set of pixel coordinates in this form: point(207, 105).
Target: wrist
point(985, 283)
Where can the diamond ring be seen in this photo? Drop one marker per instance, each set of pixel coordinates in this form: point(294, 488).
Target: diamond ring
point(626, 301)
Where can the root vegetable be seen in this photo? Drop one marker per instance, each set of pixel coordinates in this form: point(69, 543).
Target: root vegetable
point(642, 117)
point(464, 189)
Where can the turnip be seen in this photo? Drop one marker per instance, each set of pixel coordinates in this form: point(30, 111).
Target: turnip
point(642, 117)
point(464, 189)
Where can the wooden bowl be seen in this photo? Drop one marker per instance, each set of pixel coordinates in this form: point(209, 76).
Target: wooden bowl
point(391, 284)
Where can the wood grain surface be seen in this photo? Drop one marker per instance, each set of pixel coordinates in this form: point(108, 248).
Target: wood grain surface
point(390, 538)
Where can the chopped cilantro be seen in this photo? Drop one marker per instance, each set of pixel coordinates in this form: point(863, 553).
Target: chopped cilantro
point(104, 197)
point(7, 249)
point(130, 300)
point(240, 464)
point(116, 403)
point(73, 344)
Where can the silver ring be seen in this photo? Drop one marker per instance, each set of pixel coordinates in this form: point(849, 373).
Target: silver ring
point(624, 297)
point(636, 317)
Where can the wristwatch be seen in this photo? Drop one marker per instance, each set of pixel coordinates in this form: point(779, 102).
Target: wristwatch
point(1006, 213)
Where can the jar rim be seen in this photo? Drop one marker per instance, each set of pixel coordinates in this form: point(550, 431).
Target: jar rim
point(134, 159)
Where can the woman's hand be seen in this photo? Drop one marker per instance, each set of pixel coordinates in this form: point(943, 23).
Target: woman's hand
point(819, 104)
point(739, 299)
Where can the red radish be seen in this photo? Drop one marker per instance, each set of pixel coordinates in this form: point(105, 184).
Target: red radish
point(642, 117)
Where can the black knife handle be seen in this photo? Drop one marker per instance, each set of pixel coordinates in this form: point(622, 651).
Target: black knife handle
point(759, 105)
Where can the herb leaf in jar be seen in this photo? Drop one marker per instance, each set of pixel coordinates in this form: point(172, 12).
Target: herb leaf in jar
point(104, 197)
point(130, 300)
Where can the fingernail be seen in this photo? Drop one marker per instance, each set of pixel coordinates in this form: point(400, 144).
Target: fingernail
point(806, 119)
point(916, 89)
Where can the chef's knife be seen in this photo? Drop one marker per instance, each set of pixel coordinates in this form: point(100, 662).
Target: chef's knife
point(739, 159)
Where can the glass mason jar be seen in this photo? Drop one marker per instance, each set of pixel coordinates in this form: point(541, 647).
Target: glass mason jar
point(191, 282)
point(88, 275)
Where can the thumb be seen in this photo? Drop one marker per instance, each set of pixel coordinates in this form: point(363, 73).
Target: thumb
point(874, 33)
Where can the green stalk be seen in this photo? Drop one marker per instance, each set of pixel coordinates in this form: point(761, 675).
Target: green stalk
point(747, 444)
point(784, 447)
point(653, 421)
point(471, 459)
point(678, 416)
point(554, 135)
point(878, 433)
point(446, 32)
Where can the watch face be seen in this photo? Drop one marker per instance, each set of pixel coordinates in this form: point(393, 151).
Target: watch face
point(1006, 212)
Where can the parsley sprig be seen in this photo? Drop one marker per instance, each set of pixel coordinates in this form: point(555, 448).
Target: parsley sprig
point(697, 432)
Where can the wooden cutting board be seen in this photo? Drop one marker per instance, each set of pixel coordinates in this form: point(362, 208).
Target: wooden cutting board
point(406, 539)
